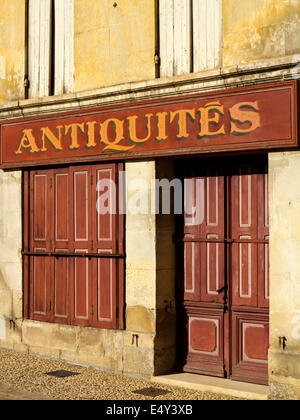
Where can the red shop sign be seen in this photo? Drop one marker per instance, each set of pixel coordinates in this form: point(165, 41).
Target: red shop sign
point(260, 117)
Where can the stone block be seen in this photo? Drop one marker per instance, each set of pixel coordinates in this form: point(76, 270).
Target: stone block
point(43, 351)
point(140, 319)
point(6, 299)
point(138, 362)
point(140, 287)
point(52, 336)
point(144, 341)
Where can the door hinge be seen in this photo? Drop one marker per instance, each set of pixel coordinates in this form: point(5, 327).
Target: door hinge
point(51, 182)
point(92, 310)
point(92, 179)
point(26, 83)
point(157, 60)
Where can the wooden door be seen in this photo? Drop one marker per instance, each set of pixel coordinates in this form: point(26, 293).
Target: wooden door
point(226, 279)
point(70, 277)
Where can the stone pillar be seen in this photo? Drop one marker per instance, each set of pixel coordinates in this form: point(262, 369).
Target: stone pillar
point(284, 359)
point(140, 270)
point(150, 273)
point(10, 258)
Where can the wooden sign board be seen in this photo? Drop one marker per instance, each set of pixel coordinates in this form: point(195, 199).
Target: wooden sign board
point(260, 117)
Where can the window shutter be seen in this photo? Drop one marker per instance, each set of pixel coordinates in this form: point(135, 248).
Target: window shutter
point(85, 291)
point(207, 34)
point(64, 46)
point(166, 35)
point(190, 36)
point(108, 239)
point(61, 234)
point(39, 47)
point(182, 37)
point(81, 225)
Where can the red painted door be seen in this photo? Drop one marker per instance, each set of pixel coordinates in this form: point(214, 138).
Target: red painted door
point(226, 276)
point(63, 219)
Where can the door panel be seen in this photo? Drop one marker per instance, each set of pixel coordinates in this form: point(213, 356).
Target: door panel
point(244, 230)
point(249, 351)
point(226, 297)
point(204, 270)
point(206, 345)
point(192, 284)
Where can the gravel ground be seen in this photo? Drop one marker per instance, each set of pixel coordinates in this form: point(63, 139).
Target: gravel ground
point(26, 374)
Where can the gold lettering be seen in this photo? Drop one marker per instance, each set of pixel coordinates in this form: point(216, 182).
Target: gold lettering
point(53, 140)
point(244, 112)
point(27, 142)
point(161, 126)
point(119, 135)
point(182, 121)
point(132, 129)
point(91, 134)
point(74, 134)
point(206, 119)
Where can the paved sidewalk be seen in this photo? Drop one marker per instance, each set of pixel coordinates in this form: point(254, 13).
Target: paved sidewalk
point(23, 377)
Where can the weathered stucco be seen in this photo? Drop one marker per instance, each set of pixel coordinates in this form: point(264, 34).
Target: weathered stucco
point(114, 42)
point(10, 254)
point(12, 50)
point(260, 29)
point(284, 361)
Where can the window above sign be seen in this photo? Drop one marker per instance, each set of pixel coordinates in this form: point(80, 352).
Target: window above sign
point(50, 47)
point(190, 33)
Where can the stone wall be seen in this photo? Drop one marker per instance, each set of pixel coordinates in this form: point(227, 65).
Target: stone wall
point(11, 288)
point(114, 42)
point(284, 362)
point(259, 29)
point(12, 50)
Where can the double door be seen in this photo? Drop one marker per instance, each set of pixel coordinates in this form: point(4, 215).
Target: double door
point(225, 295)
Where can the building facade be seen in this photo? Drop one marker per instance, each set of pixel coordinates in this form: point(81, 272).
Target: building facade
point(200, 93)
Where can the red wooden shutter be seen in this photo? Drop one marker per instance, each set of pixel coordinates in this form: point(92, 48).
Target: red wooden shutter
point(64, 219)
point(107, 239)
point(40, 234)
point(81, 228)
point(61, 234)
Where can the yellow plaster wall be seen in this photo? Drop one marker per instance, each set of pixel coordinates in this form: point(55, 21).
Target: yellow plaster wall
point(284, 362)
point(114, 42)
point(12, 50)
point(260, 29)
